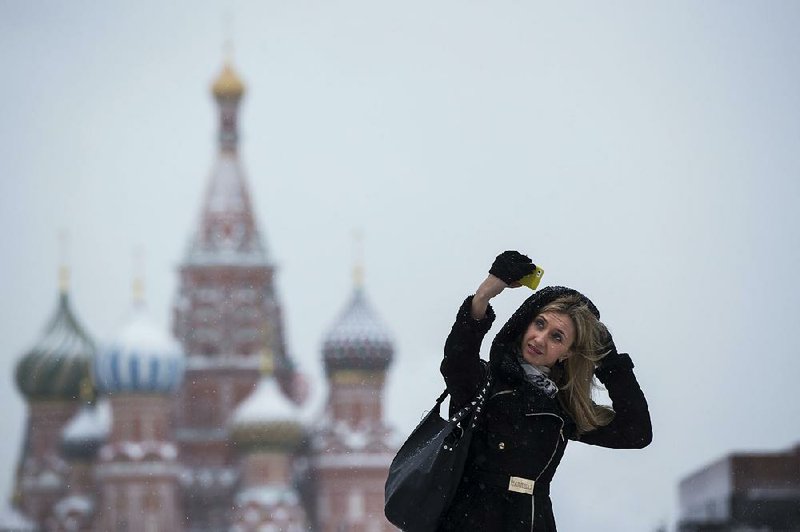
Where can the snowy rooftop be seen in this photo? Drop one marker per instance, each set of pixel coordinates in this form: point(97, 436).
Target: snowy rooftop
point(91, 423)
point(227, 193)
point(12, 520)
point(268, 495)
point(227, 233)
point(74, 504)
point(266, 404)
point(140, 333)
point(358, 324)
point(139, 450)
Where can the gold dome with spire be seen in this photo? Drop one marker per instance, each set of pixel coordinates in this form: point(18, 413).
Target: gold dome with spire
point(228, 84)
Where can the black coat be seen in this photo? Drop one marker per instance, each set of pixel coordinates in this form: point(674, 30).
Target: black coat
point(524, 432)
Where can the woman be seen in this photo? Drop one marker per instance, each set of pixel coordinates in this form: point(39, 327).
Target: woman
point(543, 362)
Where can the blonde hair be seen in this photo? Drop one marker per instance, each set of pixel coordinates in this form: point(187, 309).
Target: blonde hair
point(575, 375)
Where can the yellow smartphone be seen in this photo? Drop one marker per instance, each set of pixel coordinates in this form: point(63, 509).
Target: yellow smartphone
point(532, 279)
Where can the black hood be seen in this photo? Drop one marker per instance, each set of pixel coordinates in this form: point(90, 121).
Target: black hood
point(502, 354)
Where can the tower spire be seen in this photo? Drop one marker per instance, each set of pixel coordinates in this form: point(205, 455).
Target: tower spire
point(358, 260)
point(227, 34)
point(138, 276)
point(63, 268)
point(228, 90)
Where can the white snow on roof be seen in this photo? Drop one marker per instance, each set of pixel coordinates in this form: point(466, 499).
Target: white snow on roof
point(209, 476)
point(228, 232)
point(137, 451)
point(266, 404)
point(334, 436)
point(268, 495)
point(74, 504)
point(356, 439)
point(12, 520)
point(226, 192)
point(199, 256)
point(358, 323)
point(141, 334)
point(91, 423)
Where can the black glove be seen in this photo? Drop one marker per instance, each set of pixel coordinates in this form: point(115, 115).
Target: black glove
point(511, 266)
point(609, 347)
point(612, 360)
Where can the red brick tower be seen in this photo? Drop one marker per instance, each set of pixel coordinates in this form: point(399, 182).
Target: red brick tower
point(81, 439)
point(50, 376)
point(351, 448)
point(137, 470)
point(226, 313)
point(266, 432)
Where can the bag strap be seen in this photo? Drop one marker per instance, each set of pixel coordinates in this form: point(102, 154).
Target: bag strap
point(473, 407)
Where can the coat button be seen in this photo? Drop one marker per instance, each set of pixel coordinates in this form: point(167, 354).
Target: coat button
point(501, 446)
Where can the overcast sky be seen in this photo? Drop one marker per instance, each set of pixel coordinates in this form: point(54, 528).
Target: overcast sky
point(647, 155)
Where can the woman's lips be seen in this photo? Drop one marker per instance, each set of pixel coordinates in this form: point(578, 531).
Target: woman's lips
point(534, 350)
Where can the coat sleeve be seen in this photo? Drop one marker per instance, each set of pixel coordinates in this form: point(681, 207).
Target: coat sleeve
point(462, 368)
point(631, 427)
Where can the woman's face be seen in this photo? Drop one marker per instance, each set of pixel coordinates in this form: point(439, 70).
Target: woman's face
point(548, 338)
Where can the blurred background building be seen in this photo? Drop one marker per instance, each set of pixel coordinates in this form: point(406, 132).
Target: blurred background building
point(202, 430)
point(743, 492)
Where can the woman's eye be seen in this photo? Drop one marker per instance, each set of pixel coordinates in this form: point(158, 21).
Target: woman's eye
point(557, 337)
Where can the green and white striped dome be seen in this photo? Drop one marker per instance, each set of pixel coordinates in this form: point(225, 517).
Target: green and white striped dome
point(58, 365)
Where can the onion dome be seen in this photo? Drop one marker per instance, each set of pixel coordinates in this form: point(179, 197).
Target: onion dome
point(59, 362)
point(267, 418)
point(358, 339)
point(228, 84)
point(141, 359)
point(87, 431)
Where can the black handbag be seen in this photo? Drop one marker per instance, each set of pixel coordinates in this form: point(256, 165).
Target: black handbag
point(428, 467)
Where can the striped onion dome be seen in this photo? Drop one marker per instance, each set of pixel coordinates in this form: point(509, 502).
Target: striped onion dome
point(58, 364)
point(358, 338)
point(141, 359)
point(267, 419)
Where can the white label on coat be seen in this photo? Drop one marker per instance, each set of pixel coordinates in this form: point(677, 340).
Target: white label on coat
point(520, 485)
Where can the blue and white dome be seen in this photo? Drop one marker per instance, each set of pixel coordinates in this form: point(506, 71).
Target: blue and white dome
point(142, 359)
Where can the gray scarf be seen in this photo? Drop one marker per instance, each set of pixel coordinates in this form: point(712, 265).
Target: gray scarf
point(538, 377)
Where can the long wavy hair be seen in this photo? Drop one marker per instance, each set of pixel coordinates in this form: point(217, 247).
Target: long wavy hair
point(575, 375)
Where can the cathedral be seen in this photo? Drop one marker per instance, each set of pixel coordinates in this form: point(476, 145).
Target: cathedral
point(200, 428)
